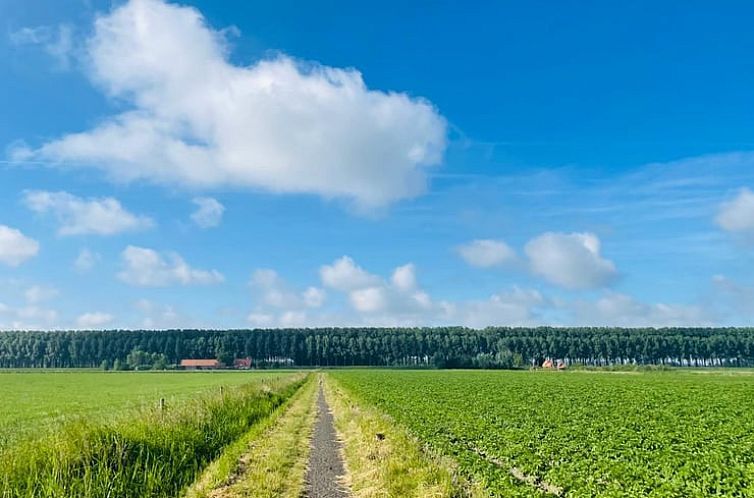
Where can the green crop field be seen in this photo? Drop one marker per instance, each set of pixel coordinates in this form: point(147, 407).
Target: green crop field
point(674, 434)
point(34, 400)
point(100, 434)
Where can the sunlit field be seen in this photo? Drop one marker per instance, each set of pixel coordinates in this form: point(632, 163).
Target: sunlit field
point(35, 400)
point(674, 433)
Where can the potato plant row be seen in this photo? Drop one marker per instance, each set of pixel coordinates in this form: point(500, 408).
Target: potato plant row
point(576, 434)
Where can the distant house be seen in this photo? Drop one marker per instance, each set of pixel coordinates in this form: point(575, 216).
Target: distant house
point(242, 363)
point(192, 364)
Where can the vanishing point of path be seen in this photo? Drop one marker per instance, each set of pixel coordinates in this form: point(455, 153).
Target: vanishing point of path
point(326, 470)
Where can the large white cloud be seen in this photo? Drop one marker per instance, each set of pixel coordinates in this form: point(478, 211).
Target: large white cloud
point(737, 215)
point(78, 216)
point(15, 247)
point(486, 253)
point(280, 124)
point(148, 268)
point(570, 260)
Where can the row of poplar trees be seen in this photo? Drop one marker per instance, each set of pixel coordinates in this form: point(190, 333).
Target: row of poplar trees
point(439, 347)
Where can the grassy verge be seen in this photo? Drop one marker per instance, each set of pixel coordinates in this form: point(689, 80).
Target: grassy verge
point(383, 460)
point(152, 453)
point(270, 460)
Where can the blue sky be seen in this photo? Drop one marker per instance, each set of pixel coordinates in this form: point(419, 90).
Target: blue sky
point(228, 164)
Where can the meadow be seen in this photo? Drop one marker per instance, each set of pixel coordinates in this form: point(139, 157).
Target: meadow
point(38, 400)
point(139, 448)
point(579, 434)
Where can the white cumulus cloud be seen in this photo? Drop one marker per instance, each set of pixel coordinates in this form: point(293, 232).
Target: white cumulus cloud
point(195, 119)
point(79, 216)
point(369, 299)
point(404, 277)
point(148, 268)
point(209, 212)
point(344, 274)
point(15, 247)
point(486, 253)
point(369, 293)
point(570, 260)
point(737, 215)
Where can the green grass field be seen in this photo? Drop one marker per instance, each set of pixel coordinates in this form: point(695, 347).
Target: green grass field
point(102, 434)
point(36, 400)
point(661, 434)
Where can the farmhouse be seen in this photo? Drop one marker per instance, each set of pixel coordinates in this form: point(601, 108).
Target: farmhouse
point(193, 364)
point(242, 363)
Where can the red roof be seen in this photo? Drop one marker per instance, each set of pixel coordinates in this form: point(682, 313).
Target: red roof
point(200, 363)
point(242, 362)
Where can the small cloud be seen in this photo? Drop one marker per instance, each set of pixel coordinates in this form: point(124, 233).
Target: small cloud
point(570, 260)
point(343, 274)
point(79, 216)
point(56, 41)
point(209, 212)
point(15, 247)
point(144, 267)
point(486, 253)
point(404, 277)
point(737, 215)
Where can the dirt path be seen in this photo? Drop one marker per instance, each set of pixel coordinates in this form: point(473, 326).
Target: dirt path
point(326, 471)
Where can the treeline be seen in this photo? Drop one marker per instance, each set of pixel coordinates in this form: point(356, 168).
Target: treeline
point(451, 347)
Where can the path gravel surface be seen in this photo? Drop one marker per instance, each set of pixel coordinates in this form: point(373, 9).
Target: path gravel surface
point(326, 470)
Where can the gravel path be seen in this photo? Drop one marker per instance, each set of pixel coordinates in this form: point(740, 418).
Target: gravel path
point(326, 469)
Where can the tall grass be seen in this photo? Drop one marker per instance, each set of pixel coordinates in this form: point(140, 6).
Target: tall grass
point(153, 453)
